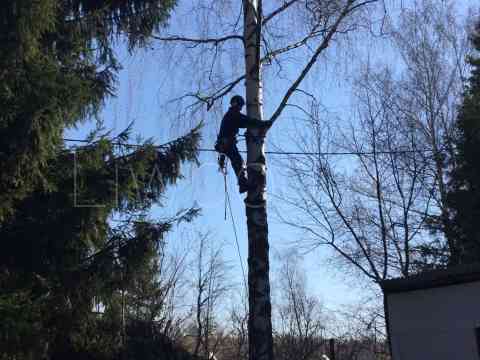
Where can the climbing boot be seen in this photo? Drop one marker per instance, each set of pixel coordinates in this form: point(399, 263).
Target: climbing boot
point(243, 182)
point(243, 188)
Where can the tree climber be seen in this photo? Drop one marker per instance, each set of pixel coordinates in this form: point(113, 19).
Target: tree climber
point(226, 143)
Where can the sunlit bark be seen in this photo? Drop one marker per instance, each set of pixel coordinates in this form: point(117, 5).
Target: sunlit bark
point(260, 321)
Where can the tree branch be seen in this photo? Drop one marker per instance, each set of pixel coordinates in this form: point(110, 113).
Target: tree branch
point(272, 54)
point(210, 99)
point(323, 45)
point(198, 41)
point(281, 9)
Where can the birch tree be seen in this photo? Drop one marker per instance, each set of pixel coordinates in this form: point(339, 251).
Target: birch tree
point(270, 31)
point(374, 206)
point(432, 41)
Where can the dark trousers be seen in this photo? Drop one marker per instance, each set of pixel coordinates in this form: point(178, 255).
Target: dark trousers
point(230, 150)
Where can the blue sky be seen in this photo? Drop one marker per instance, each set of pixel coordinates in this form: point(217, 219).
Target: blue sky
point(151, 79)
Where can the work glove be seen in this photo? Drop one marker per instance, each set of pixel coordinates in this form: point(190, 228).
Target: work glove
point(268, 123)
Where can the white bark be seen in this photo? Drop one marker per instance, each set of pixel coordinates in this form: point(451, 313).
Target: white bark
point(260, 322)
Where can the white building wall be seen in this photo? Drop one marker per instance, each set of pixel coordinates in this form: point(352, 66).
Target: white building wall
point(435, 324)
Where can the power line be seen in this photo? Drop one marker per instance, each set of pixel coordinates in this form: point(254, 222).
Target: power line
point(117, 143)
point(327, 153)
point(301, 153)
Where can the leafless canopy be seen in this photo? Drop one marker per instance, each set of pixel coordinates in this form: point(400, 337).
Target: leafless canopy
point(372, 208)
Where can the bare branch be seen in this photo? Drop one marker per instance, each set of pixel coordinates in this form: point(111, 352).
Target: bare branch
point(323, 45)
point(223, 91)
point(281, 9)
point(210, 100)
point(274, 53)
point(198, 41)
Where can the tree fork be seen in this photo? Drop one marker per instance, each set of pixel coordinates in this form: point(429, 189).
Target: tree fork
point(259, 318)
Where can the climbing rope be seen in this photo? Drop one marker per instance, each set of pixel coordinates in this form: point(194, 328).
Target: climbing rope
point(226, 192)
point(229, 205)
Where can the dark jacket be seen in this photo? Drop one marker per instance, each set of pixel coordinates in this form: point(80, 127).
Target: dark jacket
point(234, 120)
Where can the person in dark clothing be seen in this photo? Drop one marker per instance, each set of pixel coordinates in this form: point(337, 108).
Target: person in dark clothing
point(226, 144)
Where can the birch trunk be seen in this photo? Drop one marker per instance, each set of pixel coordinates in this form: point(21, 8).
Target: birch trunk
point(259, 320)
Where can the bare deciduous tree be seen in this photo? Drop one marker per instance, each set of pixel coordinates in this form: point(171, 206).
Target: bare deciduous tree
point(300, 324)
point(235, 346)
point(373, 207)
point(359, 334)
point(433, 44)
point(210, 286)
point(370, 214)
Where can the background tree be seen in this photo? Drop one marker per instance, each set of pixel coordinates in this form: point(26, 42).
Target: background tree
point(464, 191)
point(210, 287)
point(301, 327)
point(359, 333)
point(375, 208)
point(237, 339)
point(433, 43)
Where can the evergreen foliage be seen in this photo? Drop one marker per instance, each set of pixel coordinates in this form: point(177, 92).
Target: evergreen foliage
point(464, 193)
point(58, 259)
point(57, 68)
point(62, 253)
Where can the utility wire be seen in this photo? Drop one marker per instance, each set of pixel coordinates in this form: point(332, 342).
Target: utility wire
point(306, 153)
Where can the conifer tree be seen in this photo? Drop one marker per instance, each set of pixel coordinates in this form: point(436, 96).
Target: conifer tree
point(58, 258)
point(464, 194)
point(57, 68)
